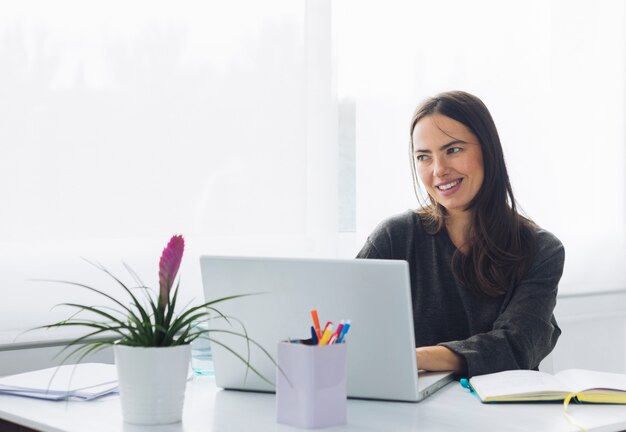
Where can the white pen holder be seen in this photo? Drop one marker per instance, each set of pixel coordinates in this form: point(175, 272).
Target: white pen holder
point(311, 385)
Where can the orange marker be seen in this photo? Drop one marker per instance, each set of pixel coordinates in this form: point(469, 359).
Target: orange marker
point(316, 324)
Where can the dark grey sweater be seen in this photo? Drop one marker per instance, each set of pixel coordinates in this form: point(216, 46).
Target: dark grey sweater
point(513, 331)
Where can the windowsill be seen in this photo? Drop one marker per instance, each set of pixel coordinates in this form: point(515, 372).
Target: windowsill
point(41, 338)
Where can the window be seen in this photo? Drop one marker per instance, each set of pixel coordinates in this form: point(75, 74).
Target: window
point(283, 130)
point(552, 74)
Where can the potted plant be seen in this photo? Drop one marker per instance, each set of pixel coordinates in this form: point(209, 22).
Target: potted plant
point(151, 340)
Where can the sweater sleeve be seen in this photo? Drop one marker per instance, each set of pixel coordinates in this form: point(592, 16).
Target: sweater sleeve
point(525, 331)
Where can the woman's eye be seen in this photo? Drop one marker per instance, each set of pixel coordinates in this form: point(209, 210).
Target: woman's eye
point(421, 158)
point(454, 150)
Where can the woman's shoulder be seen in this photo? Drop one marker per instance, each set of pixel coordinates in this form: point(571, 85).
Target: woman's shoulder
point(400, 223)
point(548, 247)
point(398, 229)
point(394, 237)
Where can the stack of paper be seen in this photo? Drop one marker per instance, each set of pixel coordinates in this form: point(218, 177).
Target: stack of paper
point(84, 381)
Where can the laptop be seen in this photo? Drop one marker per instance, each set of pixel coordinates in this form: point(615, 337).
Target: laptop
point(374, 295)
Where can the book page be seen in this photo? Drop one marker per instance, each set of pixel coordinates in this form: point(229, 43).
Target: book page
point(579, 380)
point(516, 382)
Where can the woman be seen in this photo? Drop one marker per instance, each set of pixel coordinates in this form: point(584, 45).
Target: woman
point(483, 278)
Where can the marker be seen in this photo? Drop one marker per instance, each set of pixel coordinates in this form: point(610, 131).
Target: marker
point(316, 324)
point(326, 336)
point(314, 338)
point(337, 333)
point(326, 326)
point(344, 330)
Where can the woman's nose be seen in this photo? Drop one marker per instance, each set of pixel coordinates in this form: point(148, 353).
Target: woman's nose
point(441, 167)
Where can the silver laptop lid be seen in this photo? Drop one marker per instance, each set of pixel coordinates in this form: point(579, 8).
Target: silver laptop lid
point(373, 294)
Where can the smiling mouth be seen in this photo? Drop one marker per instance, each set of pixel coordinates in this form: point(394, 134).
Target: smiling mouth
point(445, 187)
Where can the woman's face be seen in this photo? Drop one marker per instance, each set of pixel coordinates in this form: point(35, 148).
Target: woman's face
point(448, 161)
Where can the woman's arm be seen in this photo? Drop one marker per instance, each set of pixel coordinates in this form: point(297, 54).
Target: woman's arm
point(440, 358)
point(526, 331)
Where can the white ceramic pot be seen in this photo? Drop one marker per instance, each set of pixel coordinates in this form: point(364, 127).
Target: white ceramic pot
point(152, 382)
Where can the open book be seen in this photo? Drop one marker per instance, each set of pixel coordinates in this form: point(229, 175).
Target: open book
point(528, 385)
point(84, 381)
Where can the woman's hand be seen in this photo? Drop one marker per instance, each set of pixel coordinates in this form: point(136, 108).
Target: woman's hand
point(440, 358)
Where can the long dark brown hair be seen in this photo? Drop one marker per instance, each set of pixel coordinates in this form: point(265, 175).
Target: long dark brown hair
point(501, 242)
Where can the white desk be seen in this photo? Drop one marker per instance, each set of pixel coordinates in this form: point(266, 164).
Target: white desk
point(210, 409)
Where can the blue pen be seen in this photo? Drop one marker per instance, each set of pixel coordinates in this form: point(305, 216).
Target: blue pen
point(313, 335)
point(466, 384)
point(344, 330)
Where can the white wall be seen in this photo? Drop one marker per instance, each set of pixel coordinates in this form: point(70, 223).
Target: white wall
point(593, 333)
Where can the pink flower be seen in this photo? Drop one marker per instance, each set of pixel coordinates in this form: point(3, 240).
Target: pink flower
point(168, 267)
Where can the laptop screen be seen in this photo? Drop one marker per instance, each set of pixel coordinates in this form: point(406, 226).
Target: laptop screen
point(373, 294)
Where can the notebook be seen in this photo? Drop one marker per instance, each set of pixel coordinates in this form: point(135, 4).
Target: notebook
point(534, 386)
point(84, 381)
point(373, 294)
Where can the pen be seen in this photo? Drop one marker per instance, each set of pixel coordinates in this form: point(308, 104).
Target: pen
point(344, 330)
point(314, 338)
point(326, 326)
point(326, 336)
point(337, 333)
point(316, 323)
